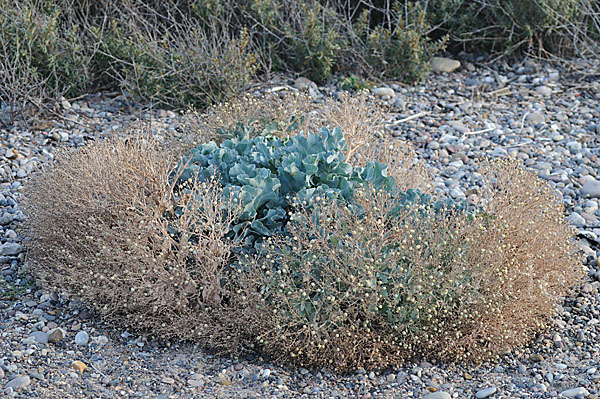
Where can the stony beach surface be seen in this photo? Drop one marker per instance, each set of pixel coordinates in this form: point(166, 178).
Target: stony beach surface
point(547, 116)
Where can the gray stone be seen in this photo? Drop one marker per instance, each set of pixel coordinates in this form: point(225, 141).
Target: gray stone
point(438, 395)
point(543, 90)
point(443, 64)
point(6, 218)
point(576, 219)
point(40, 337)
point(302, 83)
point(484, 393)
point(19, 382)
point(10, 248)
point(82, 338)
point(384, 91)
point(499, 152)
point(591, 189)
point(56, 335)
point(536, 117)
point(571, 393)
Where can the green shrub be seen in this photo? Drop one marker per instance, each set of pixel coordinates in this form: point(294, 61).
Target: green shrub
point(183, 69)
point(354, 83)
point(400, 49)
point(42, 55)
point(509, 26)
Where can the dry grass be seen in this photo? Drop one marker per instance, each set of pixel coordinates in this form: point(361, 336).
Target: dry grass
point(102, 227)
point(379, 287)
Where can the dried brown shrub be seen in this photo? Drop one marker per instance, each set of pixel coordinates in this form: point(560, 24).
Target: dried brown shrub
point(361, 118)
point(268, 113)
point(363, 122)
point(389, 284)
point(102, 228)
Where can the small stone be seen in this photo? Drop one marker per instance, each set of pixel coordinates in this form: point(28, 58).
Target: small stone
point(543, 90)
point(302, 83)
point(468, 376)
point(384, 91)
point(56, 335)
point(484, 393)
point(575, 392)
point(536, 357)
point(10, 248)
point(576, 219)
point(6, 218)
point(65, 104)
point(79, 366)
point(438, 395)
point(100, 340)
point(19, 382)
point(536, 118)
point(40, 337)
point(522, 369)
point(238, 366)
point(591, 189)
point(168, 380)
point(587, 288)
point(82, 338)
point(443, 64)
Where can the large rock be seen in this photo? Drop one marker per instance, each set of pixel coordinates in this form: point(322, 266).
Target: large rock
point(442, 64)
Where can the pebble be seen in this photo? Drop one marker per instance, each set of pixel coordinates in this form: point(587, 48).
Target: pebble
point(79, 366)
point(543, 90)
point(575, 392)
point(56, 335)
point(443, 64)
point(591, 189)
point(484, 393)
point(438, 395)
point(82, 338)
point(40, 337)
point(577, 220)
point(384, 92)
point(10, 248)
point(19, 382)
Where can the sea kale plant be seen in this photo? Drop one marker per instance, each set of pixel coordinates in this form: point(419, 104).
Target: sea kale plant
point(267, 172)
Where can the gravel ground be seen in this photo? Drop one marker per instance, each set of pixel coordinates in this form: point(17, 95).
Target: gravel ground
point(52, 347)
